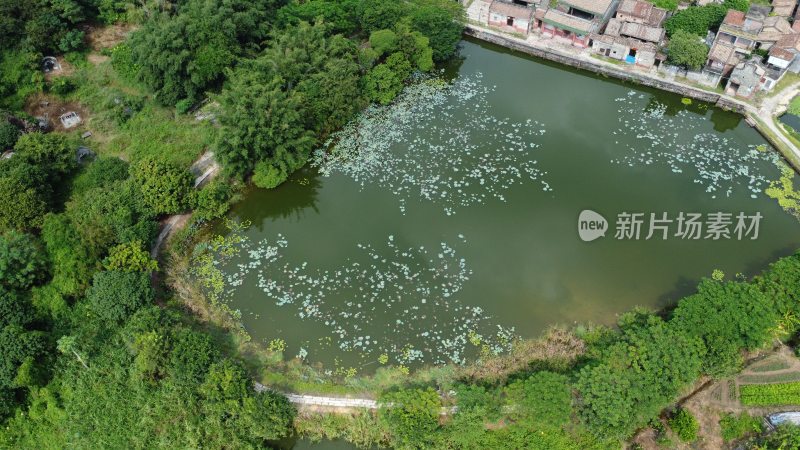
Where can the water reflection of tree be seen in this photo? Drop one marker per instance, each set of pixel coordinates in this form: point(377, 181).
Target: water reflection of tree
point(288, 201)
point(673, 104)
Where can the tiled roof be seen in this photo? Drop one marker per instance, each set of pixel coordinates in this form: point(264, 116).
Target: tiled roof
point(721, 52)
point(567, 22)
point(734, 18)
point(635, 8)
point(510, 9)
point(788, 41)
point(781, 53)
point(598, 7)
point(643, 10)
point(775, 27)
point(643, 32)
point(657, 16)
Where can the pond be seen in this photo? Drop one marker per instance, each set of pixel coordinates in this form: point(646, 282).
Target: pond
point(447, 223)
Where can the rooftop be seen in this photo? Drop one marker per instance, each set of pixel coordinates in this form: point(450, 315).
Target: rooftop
point(567, 22)
point(734, 18)
point(511, 9)
point(721, 52)
point(597, 7)
point(643, 10)
point(643, 32)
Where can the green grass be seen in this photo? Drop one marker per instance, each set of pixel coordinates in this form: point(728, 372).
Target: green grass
point(150, 129)
point(770, 394)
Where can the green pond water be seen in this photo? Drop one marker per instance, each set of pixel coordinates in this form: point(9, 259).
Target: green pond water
point(450, 219)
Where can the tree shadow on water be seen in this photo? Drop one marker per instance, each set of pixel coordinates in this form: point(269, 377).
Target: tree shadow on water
point(290, 200)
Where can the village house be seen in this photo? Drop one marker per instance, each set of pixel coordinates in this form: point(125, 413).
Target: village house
point(635, 28)
point(722, 58)
point(575, 20)
point(632, 51)
point(638, 31)
point(784, 54)
point(637, 11)
point(745, 80)
point(510, 17)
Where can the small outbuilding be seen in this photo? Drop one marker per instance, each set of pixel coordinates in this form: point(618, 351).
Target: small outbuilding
point(510, 17)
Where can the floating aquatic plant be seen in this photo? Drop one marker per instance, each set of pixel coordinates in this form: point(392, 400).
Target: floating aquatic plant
point(720, 165)
point(439, 142)
point(393, 301)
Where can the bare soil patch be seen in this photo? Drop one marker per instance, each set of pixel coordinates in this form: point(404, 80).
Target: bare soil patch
point(50, 108)
point(100, 38)
point(67, 69)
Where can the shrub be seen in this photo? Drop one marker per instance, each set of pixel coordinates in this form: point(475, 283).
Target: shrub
point(213, 201)
point(22, 262)
point(130, 257)
point(165, 186)
point(9, 134)
point(183, 106)
point(544, 398)
point(102, 172)
point(412, 416)
point(684, 425)
point(737, 427)
point(115, 295)
point(268, 176)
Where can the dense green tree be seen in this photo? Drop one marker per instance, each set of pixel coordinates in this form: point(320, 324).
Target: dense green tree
point(380, 15)
point(213, 200)
point(385, 81)
point(696, 20)
point(130, 257)
point(26, 195)
point(107, 216)
point(727, 316)
point(22, 262)
point(20, 76)
point(442, 22)
point(9, 134)
point(275, 105)
point(339, 16)
point(20, 346)
point(412, 415)
point(71, 262)
point(180, 56)
point(235, 411)
point(687, 50)
point(544, 399)
point(15, 309)
point(115, 295)
point(684, 425)
point(51, 152)
point(166, 187)
point(638, 375)
point(779, 282)
point(191, 356)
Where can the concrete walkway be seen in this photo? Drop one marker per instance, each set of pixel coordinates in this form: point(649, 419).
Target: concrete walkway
point(332, 402)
